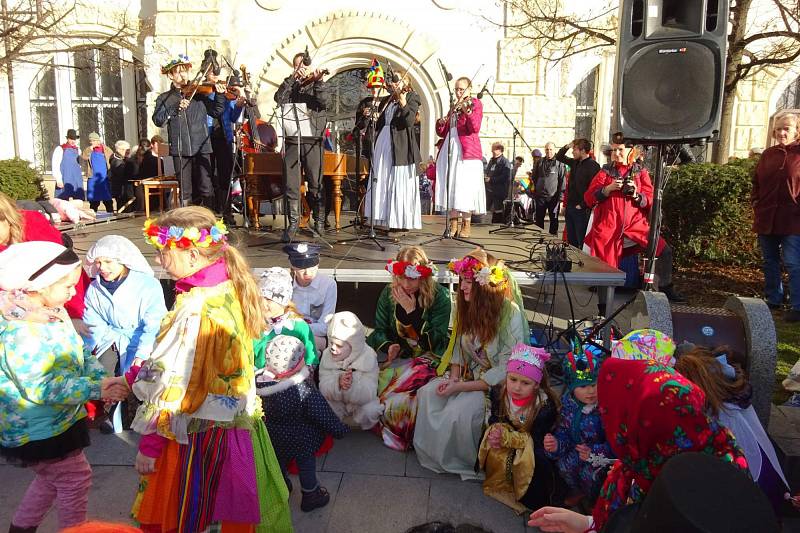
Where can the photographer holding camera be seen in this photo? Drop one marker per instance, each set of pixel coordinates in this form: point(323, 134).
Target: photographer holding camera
point(621, 194)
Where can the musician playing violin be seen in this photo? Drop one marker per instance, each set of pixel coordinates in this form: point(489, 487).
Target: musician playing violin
point(395, 159)
point(184, 115)
point(462, 145)
point(304, 86)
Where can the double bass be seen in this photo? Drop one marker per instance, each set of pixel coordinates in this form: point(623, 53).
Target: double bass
point(263, 138)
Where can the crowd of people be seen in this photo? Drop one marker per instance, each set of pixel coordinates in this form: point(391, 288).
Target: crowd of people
point(247, 379)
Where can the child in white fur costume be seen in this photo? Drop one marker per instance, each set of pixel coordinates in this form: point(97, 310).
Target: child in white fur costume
point(348, 372)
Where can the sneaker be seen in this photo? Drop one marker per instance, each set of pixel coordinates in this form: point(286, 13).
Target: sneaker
point(673, 295)
point(792, 315)
point(315, 499)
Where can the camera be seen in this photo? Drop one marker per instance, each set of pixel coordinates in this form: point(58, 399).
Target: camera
point(628, 189)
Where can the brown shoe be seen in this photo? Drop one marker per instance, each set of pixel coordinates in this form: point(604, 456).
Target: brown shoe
point(465, 228)
point(453, 227)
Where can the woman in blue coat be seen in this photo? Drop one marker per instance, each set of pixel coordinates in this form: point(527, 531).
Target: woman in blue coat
point(98, 188)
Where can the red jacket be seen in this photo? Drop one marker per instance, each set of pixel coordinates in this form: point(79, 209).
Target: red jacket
point(468, 127)
point(617, 216)
point(36, 228)
point(776, 191)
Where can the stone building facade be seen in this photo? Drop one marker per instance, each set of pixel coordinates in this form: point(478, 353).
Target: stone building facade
point(545, 102)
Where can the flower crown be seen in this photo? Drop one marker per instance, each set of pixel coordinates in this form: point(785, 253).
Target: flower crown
point(177, 237)
point(471, 268)
point(409, 270)
point(181, 59)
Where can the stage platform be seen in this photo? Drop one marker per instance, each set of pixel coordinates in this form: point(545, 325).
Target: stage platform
point(522, 249)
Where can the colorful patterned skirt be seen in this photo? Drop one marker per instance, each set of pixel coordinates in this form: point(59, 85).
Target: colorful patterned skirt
point(225, 480)
point(397, 391)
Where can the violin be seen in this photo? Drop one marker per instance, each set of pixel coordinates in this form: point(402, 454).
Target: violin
point(311, 76)
point(207, 88)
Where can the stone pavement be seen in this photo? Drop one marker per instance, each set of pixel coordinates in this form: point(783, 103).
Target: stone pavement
point(373, 490)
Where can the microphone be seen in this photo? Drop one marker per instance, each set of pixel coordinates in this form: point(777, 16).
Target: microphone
point(484, 90)
point(306, 58)
point(447, 75)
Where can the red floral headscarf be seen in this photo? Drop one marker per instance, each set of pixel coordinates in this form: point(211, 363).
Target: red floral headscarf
point(651, 413)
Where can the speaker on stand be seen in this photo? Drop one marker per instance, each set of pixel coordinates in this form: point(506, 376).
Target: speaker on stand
point(670, 75)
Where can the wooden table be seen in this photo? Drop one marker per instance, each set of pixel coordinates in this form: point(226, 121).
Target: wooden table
point(263, 180)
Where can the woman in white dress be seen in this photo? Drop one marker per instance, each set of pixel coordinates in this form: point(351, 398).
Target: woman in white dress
point(463, 193)
point(488, 324)
point(395, 160)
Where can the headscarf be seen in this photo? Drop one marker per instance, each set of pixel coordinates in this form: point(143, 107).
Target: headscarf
point(34, 265)
point(119, 249)
point(646, 344)
point(651, 413)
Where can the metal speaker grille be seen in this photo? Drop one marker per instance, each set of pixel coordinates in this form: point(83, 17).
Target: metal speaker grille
point(669, 89)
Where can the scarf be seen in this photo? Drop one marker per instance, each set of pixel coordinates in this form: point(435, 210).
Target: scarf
point(15, 305)
point(651, 413)
point(209, 276)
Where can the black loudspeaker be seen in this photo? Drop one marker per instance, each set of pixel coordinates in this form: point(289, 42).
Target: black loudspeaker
point(670, 69)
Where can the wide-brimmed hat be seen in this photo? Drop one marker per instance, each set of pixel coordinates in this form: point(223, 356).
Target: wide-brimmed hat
point(177, 61)
point(72, 134)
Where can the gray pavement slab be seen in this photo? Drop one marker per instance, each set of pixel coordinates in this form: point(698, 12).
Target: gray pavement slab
point(379, 504)
point(116, 449)
point(361, 452)
point(463, 502)
point(317, 520)
point(414, 469)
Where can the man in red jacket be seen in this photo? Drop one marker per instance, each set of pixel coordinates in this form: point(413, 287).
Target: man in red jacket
point(621, 195)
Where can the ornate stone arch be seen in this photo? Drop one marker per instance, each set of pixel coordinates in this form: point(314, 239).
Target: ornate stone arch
point(343, 40)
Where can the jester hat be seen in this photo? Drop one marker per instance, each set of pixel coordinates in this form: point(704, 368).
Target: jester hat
point(581, 367)
point(375, 77)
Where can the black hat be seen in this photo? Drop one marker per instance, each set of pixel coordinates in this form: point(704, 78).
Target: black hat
point(72, 134)
point(302, 254)
point(697, 492)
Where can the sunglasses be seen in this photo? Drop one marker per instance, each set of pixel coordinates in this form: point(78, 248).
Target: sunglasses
point(67, 257)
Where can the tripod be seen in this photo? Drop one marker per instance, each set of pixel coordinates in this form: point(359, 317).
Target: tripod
point(513, 218)
point(371, 235)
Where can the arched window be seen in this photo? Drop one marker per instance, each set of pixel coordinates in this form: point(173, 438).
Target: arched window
point(44, 114)
point(346, 90)
point(97, 95)
point(586, 105)
point(790, 98)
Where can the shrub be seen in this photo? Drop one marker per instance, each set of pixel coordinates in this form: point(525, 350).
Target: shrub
point(20, 181)
point(707, 213)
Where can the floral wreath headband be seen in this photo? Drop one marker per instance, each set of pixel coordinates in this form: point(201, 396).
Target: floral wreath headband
point(410, 270)
point(471, 268)
point(177, 237)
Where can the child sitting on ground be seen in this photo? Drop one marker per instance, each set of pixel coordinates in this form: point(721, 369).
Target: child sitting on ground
point(281, 316)
point(348, 371)
point(124, 308)
point(297, 416)
point(45, 378)
point(518, 473)
point(579, 443)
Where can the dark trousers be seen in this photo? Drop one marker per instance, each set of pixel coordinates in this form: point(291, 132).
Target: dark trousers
point(222, 162)
point(310, 152)
point(495, 196)
point(126, 193)
point(576, 220)
point(109, 205)
point(194, 175)
point(307, 467)
point(550, 207)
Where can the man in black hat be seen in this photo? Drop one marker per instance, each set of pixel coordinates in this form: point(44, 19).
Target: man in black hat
point(314, 294)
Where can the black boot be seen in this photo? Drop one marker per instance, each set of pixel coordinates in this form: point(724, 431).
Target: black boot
point(673, 295)
point(315, 499)
point(292, 215)
point(17, 529)
point(317, 205)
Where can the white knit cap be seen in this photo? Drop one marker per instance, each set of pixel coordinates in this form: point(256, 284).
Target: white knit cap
point(276, 285)
point(284, 355)
point(120, 249)
point(24, 260)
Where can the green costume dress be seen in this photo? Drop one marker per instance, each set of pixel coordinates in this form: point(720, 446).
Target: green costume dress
point(422, 336)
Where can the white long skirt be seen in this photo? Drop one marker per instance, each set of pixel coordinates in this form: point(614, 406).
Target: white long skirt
point(448, 430)
point(397, 201)
point(466, 187)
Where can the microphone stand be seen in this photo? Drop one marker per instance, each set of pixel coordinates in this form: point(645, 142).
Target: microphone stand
point(513, 219)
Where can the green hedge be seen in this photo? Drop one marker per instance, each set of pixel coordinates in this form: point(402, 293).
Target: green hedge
point(20, 181)
point(707, 213)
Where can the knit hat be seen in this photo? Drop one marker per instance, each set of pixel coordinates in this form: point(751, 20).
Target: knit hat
point(536, 153)
point(120, 249)
point(646, 344)
point(528, 361)
point(94, 136)
point(582, 367)
point(284, 356)
point(276, 285)
point(34, 265)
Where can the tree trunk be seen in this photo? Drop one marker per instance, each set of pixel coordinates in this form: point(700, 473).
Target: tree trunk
point(722, 148)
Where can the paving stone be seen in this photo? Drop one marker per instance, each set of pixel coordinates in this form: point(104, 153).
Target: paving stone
point(414, 469)
point(360, 452)
point(317, 520)
point(457, 502)
point(110, 498)
point(784, 422)
point(116, 449)
point(380, 504)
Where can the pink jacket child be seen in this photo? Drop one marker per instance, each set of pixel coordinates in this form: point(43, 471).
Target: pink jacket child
point(468, 126)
